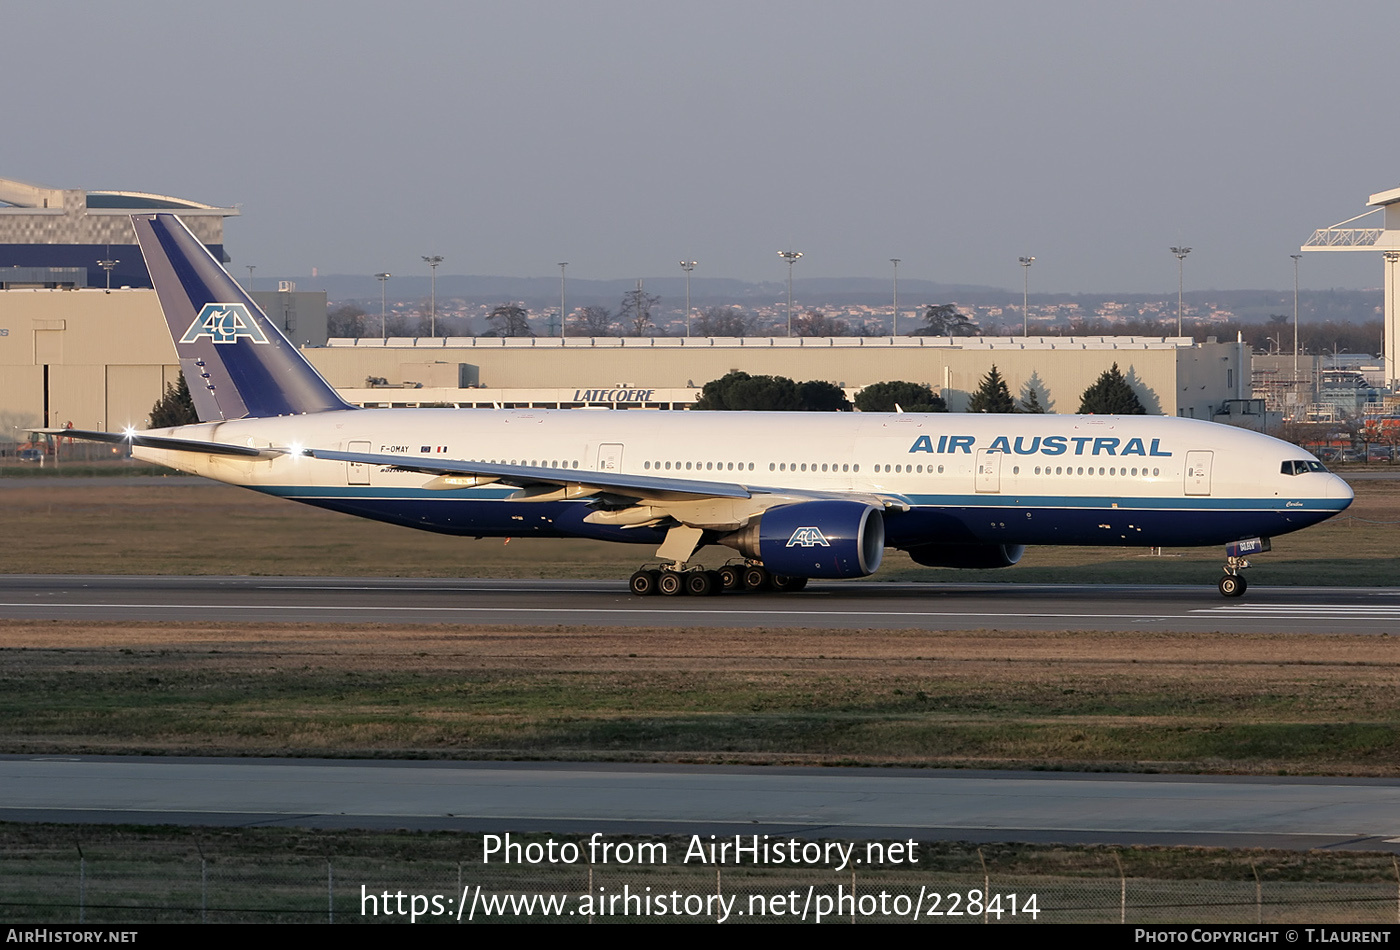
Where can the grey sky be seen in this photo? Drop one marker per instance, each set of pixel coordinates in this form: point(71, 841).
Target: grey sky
point(624, 136)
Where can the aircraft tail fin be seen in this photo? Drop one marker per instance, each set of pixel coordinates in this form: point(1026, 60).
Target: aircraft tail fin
point(236, 361)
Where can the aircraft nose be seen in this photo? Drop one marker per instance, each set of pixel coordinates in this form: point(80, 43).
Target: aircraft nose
point(1339, 489)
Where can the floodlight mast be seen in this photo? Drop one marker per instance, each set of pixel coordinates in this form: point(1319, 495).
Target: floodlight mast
point(562, 317)
point(1026, 263)
point(894, 321)
point(1296, 259)
point(791, 258)
point(383, 323)
point(1180, 253)
point(107, 264)
point(433, 261)
point(687, 266)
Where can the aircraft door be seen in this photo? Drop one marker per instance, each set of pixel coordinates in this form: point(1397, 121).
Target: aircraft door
point(356, 473)
point(1198, 472)
point(610, 457)
point(988, 470)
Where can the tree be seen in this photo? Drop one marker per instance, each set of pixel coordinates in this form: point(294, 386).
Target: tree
point(592, 321)
point(817, 395)
point(816, 323)
point(993, 395)
point(944, 320)
point(635, 312)
point(1031, 393)
point(723, 321)
point(346, 320)
point(509, 320)
point(175, 408)
point(1111, 395)
point(738, 391)
point(911, 397)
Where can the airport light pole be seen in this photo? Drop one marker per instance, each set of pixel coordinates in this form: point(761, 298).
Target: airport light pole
point(1026, 263)
point(687, 266)
point(1180, 253)
point(107, 265)
point(791, 257)
point(383, 321)
point(894, 322)
point(562, 312)
point(250, 276)
point(1296, 259)
point(433, 262)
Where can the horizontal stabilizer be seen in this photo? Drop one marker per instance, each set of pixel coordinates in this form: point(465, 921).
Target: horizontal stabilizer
point(162, 442)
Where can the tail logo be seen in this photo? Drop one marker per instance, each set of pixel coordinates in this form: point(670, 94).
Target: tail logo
point(224, 323)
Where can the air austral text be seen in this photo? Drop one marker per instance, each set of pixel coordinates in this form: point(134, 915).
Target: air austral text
point(1038, 445)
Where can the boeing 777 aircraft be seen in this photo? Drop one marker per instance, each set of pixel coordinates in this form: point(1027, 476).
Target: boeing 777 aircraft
point(798, 495)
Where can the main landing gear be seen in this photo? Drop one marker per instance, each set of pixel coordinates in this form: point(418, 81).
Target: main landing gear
point(675, 580)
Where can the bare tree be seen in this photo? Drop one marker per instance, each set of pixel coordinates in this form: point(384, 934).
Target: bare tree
point(509, 320)
point(592, 321)
point(346, 320)
point(635, 312)
point(816, 323)
point(724, 321)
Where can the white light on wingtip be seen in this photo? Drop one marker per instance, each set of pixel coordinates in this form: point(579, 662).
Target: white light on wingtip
point(129, 433)
point(296, 449)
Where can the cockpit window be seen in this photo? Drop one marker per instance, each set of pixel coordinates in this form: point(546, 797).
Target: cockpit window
point(1299, 466)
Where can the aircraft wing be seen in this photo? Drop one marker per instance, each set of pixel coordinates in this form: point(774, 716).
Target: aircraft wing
point(524, 476)
point(625, 499)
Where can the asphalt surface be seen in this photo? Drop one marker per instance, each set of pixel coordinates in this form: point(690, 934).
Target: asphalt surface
point(834, 605)
point(621, 799)
point(617, 799)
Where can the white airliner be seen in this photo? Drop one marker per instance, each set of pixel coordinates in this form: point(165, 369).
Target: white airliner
point(798, 495)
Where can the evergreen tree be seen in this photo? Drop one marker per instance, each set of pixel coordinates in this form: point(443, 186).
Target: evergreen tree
point(911, 397)
point(1111, 395)
point(739, 391)
point(1030, 402)
point(993, 395)
point(175, 408)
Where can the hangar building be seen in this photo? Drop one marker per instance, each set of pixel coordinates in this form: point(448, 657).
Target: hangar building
point(100, 360)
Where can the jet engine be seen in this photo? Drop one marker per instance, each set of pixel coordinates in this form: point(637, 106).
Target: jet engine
point(967, 556)
point(815, 539)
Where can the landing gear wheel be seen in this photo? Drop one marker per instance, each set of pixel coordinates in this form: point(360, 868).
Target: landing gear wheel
point(757, 578)
point(1233, 585)
point(731, 577)
point(784, 583)
point(671, 583)
point(643, 583)
point(699, 584)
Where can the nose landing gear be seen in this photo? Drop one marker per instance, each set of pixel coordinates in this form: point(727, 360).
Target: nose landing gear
point(1233, 583)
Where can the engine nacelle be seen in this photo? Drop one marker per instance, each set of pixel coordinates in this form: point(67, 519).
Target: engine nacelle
point(967, 556)
point(815, 539)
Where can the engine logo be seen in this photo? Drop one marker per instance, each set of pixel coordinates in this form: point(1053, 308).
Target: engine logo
point(808, 538)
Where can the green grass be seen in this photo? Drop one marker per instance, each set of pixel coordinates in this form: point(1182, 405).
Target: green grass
point(209, 528)
point(1125, 701)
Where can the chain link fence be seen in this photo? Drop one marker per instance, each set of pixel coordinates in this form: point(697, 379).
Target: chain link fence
point(334, 877)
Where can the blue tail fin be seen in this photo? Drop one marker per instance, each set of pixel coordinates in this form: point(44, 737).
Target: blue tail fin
point(237, 363)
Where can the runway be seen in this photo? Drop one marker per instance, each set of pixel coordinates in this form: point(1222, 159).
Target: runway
point(833, 605)
point(619, 799)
